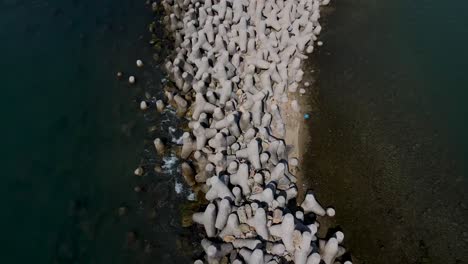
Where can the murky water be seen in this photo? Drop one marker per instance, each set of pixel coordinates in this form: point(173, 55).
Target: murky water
point(388, 140)
point(388, 146)
point(73, 134)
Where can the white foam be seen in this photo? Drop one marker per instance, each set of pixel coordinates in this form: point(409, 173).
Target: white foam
point(178, 187)
point(191, 197)
point(169, 163)
point(178, 141)
point(174, 139)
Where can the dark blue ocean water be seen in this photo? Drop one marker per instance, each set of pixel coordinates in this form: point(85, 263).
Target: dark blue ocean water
point(72, 134)
point(390, 150)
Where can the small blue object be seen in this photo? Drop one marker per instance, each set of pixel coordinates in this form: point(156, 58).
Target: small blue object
point(306, 116)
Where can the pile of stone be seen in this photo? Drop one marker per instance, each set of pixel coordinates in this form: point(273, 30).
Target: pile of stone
point(236, 64)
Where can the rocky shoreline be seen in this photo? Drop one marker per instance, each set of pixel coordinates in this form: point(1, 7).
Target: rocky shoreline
point(236, 76)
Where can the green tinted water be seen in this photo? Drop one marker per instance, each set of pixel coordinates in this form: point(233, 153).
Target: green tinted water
point(390, 149)
point(72, 134)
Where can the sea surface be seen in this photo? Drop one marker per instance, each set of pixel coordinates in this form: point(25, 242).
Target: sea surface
point(389, 138)
point(73, 135)
point(388, 147)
